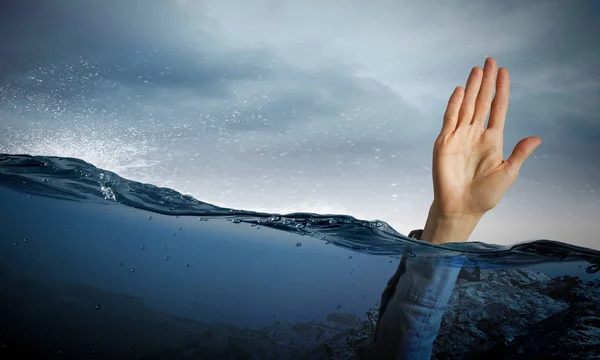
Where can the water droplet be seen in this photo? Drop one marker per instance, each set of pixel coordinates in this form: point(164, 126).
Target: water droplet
point(15, 244)
point(300, 226)
point(327, 242)
point(412, 254)
point(187, 265)
point(143, 247)
point(236, 221)
point(378, 224)
point(332, 221)
point(338, 307)
point(194, 302)
point(149, 217)
point(179, 229)
point(71, 226)
point(275, 218)
point(164, 247)
point(168, 258)
point(25, 240)
point(132, 270)
point(350, 257)
point(253, 225)
point(298, 244)
point(98, 307)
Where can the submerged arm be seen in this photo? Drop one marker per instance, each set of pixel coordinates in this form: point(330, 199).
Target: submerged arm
point(416, 297)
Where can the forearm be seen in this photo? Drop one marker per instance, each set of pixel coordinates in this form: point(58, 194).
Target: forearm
point(413, 305)
point(441, 228)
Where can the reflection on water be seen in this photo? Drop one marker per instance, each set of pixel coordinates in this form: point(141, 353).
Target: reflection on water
point(96, 266)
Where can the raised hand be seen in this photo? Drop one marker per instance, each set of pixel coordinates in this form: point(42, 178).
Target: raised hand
point(470, 175)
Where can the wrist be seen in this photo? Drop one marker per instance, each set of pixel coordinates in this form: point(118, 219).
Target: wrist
point(441, 228)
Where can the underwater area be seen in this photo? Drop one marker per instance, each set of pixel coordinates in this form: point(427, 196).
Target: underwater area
point(95, 266)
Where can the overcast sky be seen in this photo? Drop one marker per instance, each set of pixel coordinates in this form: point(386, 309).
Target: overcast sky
point(314, 106)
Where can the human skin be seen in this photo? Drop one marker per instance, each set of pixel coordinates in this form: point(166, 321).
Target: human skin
point(470, 175)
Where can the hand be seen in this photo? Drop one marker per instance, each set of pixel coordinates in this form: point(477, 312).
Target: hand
point(470, 175)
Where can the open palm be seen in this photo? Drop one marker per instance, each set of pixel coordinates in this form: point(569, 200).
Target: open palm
point(470, 175)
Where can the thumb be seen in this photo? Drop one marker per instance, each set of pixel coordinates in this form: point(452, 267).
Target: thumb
point(521, 152)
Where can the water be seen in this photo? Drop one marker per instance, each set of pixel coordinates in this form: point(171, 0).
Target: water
point(97, 266)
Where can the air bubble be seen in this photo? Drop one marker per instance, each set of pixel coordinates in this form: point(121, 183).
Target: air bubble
point(168, 258)
point(187, 265)
point(298, 244)
point(149, 217)
point(236, 221)
point(143, 247)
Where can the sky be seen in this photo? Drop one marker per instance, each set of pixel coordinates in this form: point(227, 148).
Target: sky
point(325, 107)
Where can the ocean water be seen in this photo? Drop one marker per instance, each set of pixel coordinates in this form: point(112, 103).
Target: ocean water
point(95, 266)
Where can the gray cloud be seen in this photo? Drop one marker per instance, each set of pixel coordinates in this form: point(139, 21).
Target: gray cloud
point(303, 105)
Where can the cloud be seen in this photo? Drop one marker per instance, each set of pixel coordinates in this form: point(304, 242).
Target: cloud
point(239, 102)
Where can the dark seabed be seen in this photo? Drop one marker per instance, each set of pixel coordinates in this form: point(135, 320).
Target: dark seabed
point(94, 266)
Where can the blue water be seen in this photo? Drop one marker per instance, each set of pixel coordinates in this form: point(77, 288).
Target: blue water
point(97, 266)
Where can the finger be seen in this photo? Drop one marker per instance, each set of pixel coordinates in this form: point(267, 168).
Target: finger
point(451, 114)
point(468, 106)
point(500, 103)
point(519, 154)
point(484, 99)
